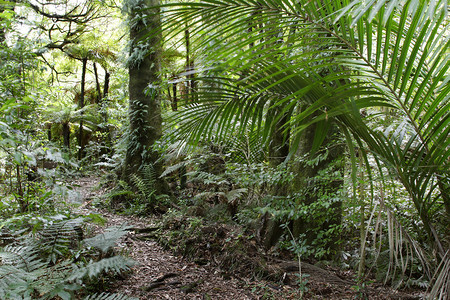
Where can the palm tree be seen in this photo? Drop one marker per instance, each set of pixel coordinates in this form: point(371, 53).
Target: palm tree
point(329, 62)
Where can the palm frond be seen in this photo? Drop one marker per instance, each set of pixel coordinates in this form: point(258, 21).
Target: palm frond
point(332, 65)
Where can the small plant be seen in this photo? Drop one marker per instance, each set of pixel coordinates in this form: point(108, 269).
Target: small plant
point(298, 250)
point(139, 197)
point(264, 291)
point(361, 290)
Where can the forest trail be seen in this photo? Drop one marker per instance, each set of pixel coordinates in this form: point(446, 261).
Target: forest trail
point(159, 274)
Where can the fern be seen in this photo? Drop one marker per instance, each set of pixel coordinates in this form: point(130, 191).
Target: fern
point(234, 195)
point(207, 178)
point(11, 278)
point(42, 264)
point(51, 280)
point(107, 240)
point(57, 238)
point(25, 258)
point(145, 182)
point(106, 296)
point(115, 264)
point(171, 169)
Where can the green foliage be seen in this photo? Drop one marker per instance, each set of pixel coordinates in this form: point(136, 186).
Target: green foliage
point(107, 240)
point(357, 65)
point(56, 262)
point(106, 296)
point(139, 197)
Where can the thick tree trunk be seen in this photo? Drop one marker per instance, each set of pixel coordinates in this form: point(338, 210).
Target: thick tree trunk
point(309, 183)
point(144, 92)
point(278, 151)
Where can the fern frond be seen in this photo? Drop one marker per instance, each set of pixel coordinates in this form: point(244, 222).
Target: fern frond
point(148, 174)
point(207, 178)
point(233, 195)
point(57, 238)
point(115, 264)
point(21, 257)
point(117, 193)
point(48, 279)
point(107, 240)
point(145, 181)
point(11, 278)
point(106, 296)
point(43, 267)
point(169, 170)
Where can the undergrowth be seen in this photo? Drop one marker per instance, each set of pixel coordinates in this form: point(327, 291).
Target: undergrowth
point(56, 262)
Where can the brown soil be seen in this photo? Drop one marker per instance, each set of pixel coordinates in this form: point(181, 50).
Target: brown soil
point(159, 274)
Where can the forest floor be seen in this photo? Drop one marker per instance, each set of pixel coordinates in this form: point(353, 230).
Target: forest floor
point(160, 274)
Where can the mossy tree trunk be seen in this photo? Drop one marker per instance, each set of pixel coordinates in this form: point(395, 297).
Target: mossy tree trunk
point(278, 151)
point(318, 181)
point(144, 103)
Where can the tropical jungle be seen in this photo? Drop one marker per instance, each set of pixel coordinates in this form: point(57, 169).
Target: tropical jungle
point(224, 149)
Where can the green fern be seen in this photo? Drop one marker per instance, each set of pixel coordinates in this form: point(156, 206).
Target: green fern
point(207, 178)
point(107, 240)
point(106, 296)
point(25, 258)
point(11, 278)
point(59, 237)
point(171, 169)
point(41, 265)
point(145, 181)
point(52, 280)
point(115, 264)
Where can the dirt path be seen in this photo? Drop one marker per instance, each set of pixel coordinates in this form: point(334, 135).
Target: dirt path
point(158, 274)
point(161, 275)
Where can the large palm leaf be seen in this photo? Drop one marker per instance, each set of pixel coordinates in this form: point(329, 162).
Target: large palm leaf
point(337, 58)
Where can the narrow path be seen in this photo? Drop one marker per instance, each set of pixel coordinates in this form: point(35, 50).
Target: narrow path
point(158, 274)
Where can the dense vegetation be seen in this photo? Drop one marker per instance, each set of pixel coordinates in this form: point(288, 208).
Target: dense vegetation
point(320, 127)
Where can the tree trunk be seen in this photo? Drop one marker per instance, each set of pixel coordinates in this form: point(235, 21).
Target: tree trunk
point(144, 92)
point(106, 85)
point(191, 84)
point(174, 99)
point(66, 136)
point(97, 85)
point(309, 183)
point(81, 105)
point(278, 151)
point(104, 114)
point(49, 131)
